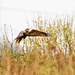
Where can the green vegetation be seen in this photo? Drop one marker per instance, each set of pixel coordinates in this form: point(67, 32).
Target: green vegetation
point(53, 55)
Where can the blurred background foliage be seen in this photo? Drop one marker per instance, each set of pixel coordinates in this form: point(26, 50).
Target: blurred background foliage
point(53, 55)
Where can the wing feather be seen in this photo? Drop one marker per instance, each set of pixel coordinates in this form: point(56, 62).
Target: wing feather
point(37, 33)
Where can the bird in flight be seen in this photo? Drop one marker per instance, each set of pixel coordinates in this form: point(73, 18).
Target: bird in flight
point(26, 32)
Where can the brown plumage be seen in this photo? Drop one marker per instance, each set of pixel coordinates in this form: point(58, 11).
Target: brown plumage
point(25, 33)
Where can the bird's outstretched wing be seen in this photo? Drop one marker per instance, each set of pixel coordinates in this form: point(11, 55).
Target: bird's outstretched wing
point(20, 36)
point(37, 33)
point(25, 33)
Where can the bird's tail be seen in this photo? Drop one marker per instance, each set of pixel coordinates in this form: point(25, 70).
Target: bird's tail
point(17, 40)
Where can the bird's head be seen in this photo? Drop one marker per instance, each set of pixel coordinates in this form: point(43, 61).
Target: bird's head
point(26, 30)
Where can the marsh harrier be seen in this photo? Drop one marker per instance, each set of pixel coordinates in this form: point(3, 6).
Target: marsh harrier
point(26, 32)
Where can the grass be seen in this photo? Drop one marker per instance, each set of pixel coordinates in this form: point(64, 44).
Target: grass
point(52, 55)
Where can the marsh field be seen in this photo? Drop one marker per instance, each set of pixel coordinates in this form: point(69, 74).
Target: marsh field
point(53, 55)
